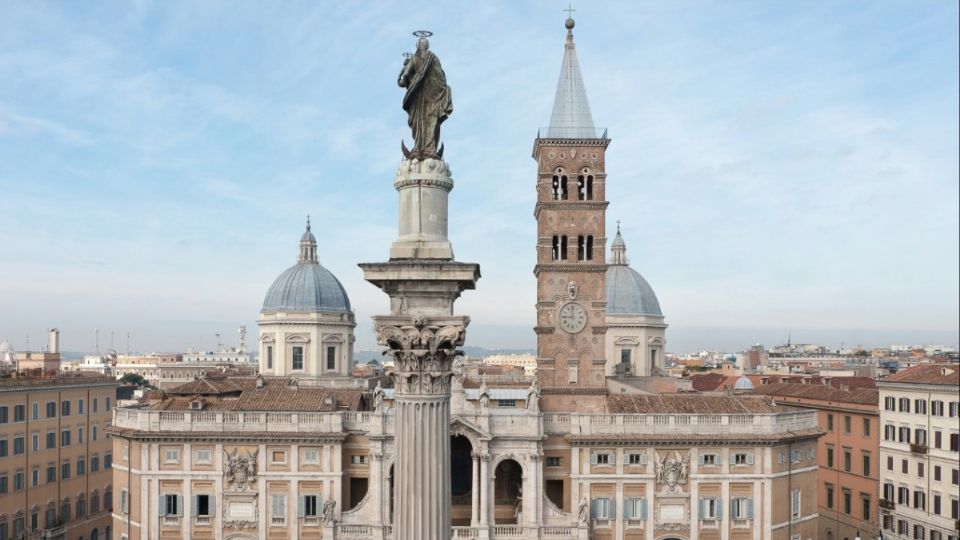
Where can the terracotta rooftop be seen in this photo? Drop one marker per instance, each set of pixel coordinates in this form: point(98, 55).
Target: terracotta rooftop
point(714, 382)
point(946, 374)
point(242, 394)
point(860, 396)
point(691, 404)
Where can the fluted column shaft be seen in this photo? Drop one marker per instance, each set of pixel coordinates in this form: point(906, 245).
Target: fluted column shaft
point(422, 480)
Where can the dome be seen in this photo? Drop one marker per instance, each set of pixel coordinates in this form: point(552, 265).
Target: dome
point(629, 294)
point(306, 286)
point(743, 383)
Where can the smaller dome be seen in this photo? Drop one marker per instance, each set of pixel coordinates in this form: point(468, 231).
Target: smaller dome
point(743, 383)
point(628, 293)
point(307, 235)
point(306, 286)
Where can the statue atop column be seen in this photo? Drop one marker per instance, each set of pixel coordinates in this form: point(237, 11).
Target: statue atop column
point(428, 100)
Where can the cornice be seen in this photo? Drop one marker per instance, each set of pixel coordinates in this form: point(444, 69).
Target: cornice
point(569, 205)
point(229, 436)
point(567, 267)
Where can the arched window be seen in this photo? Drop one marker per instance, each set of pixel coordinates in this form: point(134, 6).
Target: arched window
point(581, 248)
point(589, 187)
point(581, 188)
point(94, 502)
point(556, 187)
point(563, 248)
point(81, 506)
point(563, 187)
point(95, 534)
point(65, 510)
point(555, 249)
point(590, 248)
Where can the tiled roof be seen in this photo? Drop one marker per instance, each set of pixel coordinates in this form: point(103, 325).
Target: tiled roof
point(712, 382)
point(861, 396)
point(242, 394)
point(706, 382)
point(946, 374)
point(206, 386)
point(687, 404)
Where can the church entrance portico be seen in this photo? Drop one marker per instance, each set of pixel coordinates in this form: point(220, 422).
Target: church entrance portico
point(508, 493)
point(463, 483)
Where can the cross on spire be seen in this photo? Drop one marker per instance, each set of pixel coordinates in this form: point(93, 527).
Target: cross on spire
point(569, 11)
point(308, 221)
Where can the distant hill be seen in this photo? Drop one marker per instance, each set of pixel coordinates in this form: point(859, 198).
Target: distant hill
point(364, 356)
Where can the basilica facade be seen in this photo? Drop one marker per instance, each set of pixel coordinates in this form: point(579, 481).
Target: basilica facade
point(305, 451)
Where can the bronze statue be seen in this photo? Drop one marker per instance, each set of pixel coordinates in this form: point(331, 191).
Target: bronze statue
point(428, 100)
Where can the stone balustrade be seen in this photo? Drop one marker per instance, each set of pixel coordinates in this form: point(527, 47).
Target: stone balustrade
point(498, 424)
point(147, 420)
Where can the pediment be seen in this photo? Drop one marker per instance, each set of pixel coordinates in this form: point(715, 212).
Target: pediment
point(462, 426)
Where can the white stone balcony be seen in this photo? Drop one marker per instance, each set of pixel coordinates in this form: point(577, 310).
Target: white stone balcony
point(680, 424)
point(494, 532)
point(512, 423)
point(147, 420)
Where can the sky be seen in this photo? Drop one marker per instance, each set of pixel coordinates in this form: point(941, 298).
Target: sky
point(779, 167)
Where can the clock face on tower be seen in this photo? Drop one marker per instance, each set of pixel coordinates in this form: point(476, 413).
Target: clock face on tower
point(572, 318)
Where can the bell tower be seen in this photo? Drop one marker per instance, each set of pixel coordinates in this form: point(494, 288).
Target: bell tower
point(571, 238)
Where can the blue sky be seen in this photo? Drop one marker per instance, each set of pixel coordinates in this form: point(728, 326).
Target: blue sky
point(778, 166)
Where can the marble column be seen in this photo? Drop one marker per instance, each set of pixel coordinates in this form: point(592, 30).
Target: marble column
point(475, 491)
point(484, 490)
point(422, 334)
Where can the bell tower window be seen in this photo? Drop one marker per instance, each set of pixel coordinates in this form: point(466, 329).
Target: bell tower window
point(555, 249)
point(581, 188)
point(589, 187)
point(563, 187)
point(589, 248)
point(581, 248)
point(556, 187)
point(563, 248)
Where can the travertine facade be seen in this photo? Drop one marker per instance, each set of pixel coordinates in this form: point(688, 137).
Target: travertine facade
point(684, 467)
point(56, 480)
point(920, 453)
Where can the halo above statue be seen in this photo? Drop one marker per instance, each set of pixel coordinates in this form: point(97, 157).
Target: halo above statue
point(422, 33)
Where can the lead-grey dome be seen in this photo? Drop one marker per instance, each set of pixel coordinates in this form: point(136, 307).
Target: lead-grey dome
point(306, 286)
point(629, 294)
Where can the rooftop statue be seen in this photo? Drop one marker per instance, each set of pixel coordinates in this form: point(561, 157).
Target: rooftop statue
point(428, 100)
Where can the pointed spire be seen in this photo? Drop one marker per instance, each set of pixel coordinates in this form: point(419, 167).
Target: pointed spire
point(308, 246)
point(571, 116)
point(618, 249)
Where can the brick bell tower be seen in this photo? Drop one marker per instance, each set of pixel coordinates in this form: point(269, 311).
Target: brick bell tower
point(571, 238)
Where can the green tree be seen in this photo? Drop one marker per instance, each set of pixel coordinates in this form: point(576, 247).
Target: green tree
point(134, 379)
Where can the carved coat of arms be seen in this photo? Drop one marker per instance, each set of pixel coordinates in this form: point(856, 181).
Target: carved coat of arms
point(671, 471)
point(240, 471)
